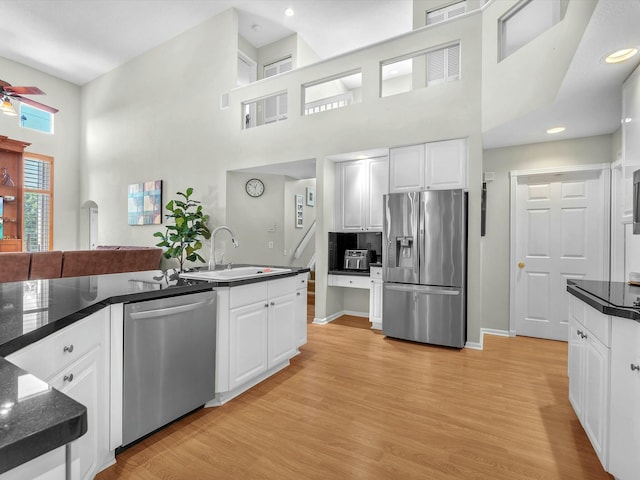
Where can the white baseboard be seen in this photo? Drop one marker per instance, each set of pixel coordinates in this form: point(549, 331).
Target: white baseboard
point(331, 318)
point(488, 331)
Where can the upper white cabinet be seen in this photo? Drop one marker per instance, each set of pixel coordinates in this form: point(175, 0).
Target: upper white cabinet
point(630, 137)
point(406, 168)
point(624, 461)
point(360, 185)
point(435, 165)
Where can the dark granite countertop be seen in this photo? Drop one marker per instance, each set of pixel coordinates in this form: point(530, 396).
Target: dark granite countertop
point(356, 273)
point(610, 298)
point(34, 417)
point(34, 309)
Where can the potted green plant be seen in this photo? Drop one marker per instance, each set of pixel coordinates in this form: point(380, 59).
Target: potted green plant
point(182, 239)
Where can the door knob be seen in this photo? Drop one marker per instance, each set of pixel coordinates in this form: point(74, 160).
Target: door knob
point(521, 265)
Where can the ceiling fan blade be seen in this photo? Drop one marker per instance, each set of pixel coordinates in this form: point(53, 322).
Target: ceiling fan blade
point(33, 103)
point(4, 84)
point(23, 90)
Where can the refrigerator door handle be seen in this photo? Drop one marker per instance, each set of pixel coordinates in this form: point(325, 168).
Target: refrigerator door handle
point(423, 289)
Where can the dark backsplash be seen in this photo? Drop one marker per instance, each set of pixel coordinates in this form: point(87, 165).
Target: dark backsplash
point(339, 242)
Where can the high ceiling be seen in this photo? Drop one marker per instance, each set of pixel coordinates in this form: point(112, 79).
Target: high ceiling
point(79, 40)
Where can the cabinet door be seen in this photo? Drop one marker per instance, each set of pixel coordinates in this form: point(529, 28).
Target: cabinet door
point(596, 395)
point(282, 328)
point(378, 169)
point(86, 381)
point(624, 461)
point(301, 317)
point(406, 168)
point(375, 304)
point(352, 184)
point(247, 342)
point(446, 164)
point(576, 367)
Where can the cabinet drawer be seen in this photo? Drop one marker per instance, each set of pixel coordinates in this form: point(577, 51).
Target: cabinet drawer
point(596, 322)
point(375, 273)
point(302, 280)
point(247, 294)
point(282, 286)
point(55, 352)
point(351, 281)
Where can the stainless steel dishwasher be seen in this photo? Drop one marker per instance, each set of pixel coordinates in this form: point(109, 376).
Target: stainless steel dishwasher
point(169, 360)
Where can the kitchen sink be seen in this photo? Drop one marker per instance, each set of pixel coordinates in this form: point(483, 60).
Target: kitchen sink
point(235, 273)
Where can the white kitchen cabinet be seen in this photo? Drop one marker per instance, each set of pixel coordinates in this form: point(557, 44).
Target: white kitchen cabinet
point(281, 329)
point(349, 281)
point(446, 164)
point(588, 364)
point(256, 334)
point(435, 165)
point(624, 461)
point(406, 168)
point(360, 185)
point(375, 298)
point(248, 339)
point(75, 361)
point(301, 309)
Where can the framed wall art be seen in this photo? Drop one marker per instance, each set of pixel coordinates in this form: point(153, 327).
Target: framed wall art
point(311, 197)
point(299, 211)
point(144, 203)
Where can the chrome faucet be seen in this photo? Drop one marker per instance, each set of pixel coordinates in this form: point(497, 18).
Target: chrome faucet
point(212, 258)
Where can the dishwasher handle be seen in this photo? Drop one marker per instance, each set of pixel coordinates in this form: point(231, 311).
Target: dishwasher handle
point(163, 312)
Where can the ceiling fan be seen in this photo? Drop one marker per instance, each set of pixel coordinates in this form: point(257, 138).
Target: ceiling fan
point(8, 92)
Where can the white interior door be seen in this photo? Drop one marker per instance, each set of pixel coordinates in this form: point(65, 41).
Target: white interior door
point(561, 232)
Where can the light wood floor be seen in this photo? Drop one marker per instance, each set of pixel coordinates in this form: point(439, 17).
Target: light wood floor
point(357, 405)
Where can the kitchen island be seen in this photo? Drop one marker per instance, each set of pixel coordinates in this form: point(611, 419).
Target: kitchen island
point(36, 312)
point(604, 370)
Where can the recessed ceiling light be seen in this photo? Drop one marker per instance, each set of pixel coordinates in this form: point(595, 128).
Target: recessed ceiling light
point(621, 55)
point(556, 130)
point(289, 12)
point(255, 27)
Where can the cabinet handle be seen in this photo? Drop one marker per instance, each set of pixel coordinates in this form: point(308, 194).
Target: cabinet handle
point(298, 294)
point(635, 368)
point(266, 305)
point(68, 378)
point(579, 333)
point(273, 303)
point(68, 348)
point(302, 281)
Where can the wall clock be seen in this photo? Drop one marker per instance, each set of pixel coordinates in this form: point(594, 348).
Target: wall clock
point(254, 187)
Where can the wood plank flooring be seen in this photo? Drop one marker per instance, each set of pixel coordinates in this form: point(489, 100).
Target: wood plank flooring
point(357, 405)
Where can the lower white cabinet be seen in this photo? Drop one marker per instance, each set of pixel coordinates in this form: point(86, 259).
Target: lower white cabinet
point(256, 333)
point(589, 363)
point(79, 354)
point(375, 298)
point(624, 451)
point(350, 281)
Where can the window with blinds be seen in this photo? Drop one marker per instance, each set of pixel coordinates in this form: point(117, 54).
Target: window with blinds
point(445, 13)
point(443, 65)
point(38, 203)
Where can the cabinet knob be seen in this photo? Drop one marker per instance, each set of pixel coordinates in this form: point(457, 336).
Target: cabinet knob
point(298, 294)
point(68, 348)
point(68, 378)
point(273, 303)
point(635, 368)
point(266, 305)
point(579, 333)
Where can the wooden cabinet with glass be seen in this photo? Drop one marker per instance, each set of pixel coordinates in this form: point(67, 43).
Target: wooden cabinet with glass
point(11, 166)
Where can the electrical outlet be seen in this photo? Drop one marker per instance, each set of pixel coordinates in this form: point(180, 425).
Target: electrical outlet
point(270, 244)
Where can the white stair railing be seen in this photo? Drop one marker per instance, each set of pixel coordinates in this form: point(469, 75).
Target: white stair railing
point(305, 241)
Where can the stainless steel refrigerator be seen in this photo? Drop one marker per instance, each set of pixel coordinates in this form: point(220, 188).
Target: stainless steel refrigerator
point(424, 244)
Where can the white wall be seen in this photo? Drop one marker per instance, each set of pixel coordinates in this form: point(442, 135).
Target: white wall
point(495, 245)
point(63, 145)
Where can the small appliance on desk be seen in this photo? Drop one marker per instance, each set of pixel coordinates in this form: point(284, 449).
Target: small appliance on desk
point(357, 259)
